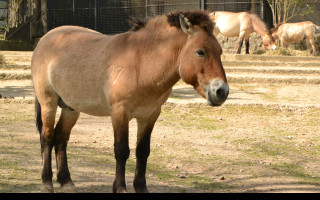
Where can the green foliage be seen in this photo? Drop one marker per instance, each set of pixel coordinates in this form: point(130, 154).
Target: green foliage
point(284, 10)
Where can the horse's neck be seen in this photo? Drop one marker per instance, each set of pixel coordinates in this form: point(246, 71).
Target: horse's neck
point(163, 53)
point(275, 35)
point(259, 26)
point(260, 30)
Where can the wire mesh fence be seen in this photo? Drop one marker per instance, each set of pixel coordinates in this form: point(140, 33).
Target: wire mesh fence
point(112, 16)
point(234, 5)
point(3, 14)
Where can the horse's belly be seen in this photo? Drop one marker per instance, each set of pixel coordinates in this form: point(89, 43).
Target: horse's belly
point(93, 105)
point(81, 90)
point(228, 31)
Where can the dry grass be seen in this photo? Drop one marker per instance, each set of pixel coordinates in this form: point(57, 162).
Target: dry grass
point(255, 149)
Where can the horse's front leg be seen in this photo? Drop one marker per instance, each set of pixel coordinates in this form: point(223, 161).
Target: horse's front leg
point(247, 46)
point(240, 46)
point(120, 124)
point(145, 127)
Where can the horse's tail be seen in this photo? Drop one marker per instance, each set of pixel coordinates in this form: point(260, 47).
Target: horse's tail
point(38, 118)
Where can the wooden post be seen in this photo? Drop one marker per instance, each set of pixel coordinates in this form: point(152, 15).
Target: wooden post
point(262, 9)
point(253, 6)
point(202, 6)
point(44, 17)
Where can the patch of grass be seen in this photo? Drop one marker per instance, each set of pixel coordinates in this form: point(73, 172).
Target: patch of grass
point(289, 51)
point(2, 60)
point(297, 171)
point(188, 118)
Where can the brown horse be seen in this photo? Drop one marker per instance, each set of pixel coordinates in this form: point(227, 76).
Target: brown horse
point(241, 24)
point(296, 32)
point(125, 76)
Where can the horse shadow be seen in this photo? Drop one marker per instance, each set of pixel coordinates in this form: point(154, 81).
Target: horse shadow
point(188, 93)
point(16, 91)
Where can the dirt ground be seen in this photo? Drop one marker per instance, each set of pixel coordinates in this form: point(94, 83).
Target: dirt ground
point(265, 138)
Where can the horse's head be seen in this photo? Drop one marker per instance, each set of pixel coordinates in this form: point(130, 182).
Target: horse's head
point(200, 61)
point(268, 42)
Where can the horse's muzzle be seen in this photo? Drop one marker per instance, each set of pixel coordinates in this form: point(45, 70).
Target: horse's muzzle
point(217, 92)
point(273, 47)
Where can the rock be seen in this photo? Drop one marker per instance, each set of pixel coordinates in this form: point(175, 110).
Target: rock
point(222, 178)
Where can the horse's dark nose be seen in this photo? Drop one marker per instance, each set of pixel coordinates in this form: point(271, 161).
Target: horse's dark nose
point(217, 93)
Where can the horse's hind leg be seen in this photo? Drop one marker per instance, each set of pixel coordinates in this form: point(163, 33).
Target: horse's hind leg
point(314, 47)
point(63, 128)
point(48, 113)
point(145, 127)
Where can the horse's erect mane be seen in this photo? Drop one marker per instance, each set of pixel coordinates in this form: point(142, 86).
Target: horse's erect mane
point(200, 18)
point(137, 24)
point(276, 27)
point(257, 20)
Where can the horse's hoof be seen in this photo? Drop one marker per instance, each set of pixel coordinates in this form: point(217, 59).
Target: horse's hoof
point(142, 190)
point(68, 188)
point(47, 188)
point(122, 191)
point(119, 190)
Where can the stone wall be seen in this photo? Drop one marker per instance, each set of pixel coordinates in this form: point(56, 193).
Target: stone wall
point(230, 45)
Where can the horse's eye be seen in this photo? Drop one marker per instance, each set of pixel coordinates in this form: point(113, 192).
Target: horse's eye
point(200, 53)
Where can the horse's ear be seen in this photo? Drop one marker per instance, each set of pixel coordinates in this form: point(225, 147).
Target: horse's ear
point(185, 24)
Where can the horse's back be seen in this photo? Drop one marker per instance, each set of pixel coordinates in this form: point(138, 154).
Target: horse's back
point(295, 32)
point(230, 24)
point(67, 62)
point(65, 41)
point(227, 23)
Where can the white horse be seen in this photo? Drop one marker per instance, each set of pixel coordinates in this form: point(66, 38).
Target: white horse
point(295, 32)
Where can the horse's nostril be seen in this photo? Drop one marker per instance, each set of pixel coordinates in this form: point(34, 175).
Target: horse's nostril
point(222, 93)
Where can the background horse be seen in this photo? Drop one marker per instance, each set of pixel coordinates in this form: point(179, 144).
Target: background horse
point(125, 76)
point(296, 32)
point(241, 24)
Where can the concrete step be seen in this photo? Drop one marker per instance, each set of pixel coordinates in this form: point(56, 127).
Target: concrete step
point(272, 78)
point(266, 58)
point(15, 75)
point(15, 59)
point(22, 89)
point(233, 63)
point(19, 66)
point(16, 53)
point(274, 70)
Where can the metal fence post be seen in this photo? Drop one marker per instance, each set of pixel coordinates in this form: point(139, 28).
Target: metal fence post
point(95, 14)
point(203, 4)
point(262, 9)
point(146, 6)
